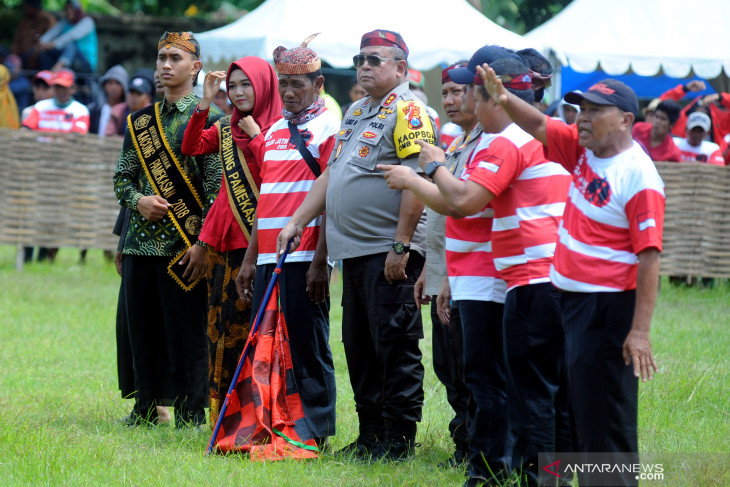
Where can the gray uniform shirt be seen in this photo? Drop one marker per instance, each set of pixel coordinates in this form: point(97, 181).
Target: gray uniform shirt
point(457, 155)
point(362, 212)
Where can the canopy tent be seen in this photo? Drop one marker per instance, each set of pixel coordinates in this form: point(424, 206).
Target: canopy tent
point(642, 36)
point(423, 25)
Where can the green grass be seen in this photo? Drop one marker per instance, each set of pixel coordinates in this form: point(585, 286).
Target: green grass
point(59, 403)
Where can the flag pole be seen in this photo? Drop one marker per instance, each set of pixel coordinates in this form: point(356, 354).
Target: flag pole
point(254, 330)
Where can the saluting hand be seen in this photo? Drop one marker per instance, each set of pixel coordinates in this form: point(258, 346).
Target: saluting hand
point(211, 86)
point(492, 83)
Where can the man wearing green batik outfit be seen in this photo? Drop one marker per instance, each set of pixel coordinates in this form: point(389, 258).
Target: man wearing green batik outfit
point(167, 324)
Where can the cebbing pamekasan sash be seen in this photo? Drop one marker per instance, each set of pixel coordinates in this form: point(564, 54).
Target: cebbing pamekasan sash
point(243, 195)
point(169, 180)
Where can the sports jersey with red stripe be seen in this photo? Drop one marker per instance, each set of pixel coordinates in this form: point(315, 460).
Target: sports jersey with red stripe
point(615, 209)
point(468, 244)
point(286, 180)
point(530, 193)
point(46, 116)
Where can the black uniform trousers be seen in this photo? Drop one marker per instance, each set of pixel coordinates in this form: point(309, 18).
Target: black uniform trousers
point(603, 391)
point(534, 340)
point(381, 326)
point(448, 365)
point(309, 332)
point(167, 333)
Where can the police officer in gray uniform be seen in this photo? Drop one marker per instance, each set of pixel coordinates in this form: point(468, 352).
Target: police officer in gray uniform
point(379, 234)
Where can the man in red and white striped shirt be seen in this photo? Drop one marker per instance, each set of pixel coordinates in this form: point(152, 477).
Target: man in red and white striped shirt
point(527, 194)
point(607, 258)
point(286, 178)
point(62, 113)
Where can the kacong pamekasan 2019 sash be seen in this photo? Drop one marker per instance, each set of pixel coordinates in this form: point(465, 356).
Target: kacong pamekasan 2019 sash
point(169, 181)
point(243, 194)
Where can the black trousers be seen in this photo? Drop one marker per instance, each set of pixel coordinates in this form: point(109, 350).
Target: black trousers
point(534, 340)
point(485, 373)
point(381, 326)
point(167, 333)
point(309, 331)
point(603, 390)
point(448, 364)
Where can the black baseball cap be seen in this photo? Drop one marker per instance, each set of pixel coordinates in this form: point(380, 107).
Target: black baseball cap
point(485, 54)
point(141, 84)
point(607, 92)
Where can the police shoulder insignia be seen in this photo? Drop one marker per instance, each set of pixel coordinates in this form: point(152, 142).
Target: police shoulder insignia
point(389, 101)
point(412, 123)
point(357, 112)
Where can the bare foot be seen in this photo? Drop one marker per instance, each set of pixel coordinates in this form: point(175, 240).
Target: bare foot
point(163, 415)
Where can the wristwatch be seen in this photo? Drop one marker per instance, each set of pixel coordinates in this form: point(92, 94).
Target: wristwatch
point(431, 168)
point(400, 248)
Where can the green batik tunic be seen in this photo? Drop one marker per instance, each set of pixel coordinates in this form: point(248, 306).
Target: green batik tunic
point(161, 238)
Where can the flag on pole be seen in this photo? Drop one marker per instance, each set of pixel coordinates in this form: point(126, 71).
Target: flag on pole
point(264, 414)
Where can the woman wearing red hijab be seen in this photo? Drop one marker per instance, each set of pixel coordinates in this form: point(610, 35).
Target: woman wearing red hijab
point(253, 90)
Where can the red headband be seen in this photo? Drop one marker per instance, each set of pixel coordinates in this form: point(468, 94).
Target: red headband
point(445, 78)
point(383, 38)
point(513, 81)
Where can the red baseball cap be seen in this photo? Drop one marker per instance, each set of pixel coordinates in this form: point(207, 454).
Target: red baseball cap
point(64, 77)
point(45, 75)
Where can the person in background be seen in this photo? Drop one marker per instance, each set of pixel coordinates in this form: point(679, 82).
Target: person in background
point(355, 93)
point(159, 87)
point(141, 92)
point(42, 90)
point(71, 43)
point(695, 147)
point(32, 26)
point(252, 88)
point(59, 114)
point(567, 112)
point(114, 84)
point(62, 113)
point(222, 101)
point(417, 83)
point(655, 137)
point(331, 104)
point(9, 116)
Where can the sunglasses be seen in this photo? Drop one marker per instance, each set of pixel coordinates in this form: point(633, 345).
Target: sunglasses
point(373, 60)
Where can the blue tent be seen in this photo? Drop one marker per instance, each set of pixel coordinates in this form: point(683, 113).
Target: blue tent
point(646, 87)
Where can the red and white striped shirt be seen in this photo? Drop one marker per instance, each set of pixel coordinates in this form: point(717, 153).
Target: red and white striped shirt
point(468, 243)
point(47, 116)
point(615, 210)
point(286, 180)
point(530, 194)
point(707, 151)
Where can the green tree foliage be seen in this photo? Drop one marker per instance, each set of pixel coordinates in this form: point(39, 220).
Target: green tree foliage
point(520, 16)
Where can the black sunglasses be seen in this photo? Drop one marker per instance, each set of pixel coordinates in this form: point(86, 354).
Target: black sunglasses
point(373, 60)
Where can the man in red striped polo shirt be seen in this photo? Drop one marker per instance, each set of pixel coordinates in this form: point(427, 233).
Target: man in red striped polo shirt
point(527, 194)
point(286, 177)
point(606, 260)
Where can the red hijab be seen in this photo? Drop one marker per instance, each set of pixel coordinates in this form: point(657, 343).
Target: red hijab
point(267, 102)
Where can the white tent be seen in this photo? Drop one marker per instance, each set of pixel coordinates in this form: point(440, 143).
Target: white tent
point(644, 36)
point(437, 32)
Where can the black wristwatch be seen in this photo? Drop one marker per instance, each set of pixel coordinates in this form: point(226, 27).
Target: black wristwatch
point(400, 248)
point(431, 168)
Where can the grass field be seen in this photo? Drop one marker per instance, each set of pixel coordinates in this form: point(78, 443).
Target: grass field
point(59, 403)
